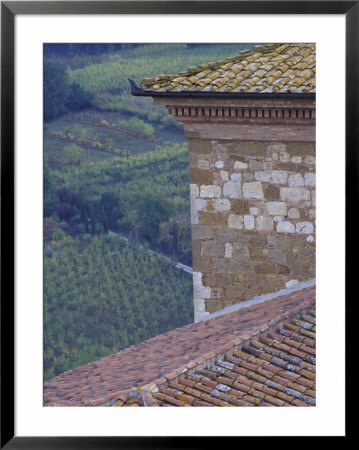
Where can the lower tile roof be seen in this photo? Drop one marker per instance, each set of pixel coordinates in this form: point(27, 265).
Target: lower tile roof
point(268, 347)
point(276, 368)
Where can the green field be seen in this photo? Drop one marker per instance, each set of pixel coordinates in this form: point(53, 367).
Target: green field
point(105, 295)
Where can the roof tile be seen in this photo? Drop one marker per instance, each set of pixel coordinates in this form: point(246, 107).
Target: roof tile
point(197, 362)
point(270, 68)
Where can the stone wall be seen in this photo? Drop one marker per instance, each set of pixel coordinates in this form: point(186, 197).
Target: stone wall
point(253, 218)
point(252, 174)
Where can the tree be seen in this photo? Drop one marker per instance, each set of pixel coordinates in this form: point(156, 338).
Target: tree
point(56, 89)
point(73, 152)
point(48, 178)
point(61, 96)
point(153, 209)
point(77, 98)
point(111, 209)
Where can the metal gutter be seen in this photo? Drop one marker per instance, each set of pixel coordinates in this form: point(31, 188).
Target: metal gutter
point(139, 92)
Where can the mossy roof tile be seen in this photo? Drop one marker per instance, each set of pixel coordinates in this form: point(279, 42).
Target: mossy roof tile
point(271, 68)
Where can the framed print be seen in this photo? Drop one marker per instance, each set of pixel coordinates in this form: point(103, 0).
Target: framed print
point(120, 290)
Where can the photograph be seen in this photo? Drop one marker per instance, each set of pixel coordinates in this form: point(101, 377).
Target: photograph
point(179, 224)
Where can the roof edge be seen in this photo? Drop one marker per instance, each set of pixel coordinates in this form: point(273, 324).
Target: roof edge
point(139, 92)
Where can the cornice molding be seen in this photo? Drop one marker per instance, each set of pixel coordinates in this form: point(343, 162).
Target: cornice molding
point(274, 114)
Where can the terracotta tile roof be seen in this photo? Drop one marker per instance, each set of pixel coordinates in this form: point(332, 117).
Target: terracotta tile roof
point(271, 68)
point(163, 359)
point(276, 368)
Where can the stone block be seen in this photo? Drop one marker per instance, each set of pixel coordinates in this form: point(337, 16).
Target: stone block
point(262, 176)
point(199, 146)
point(258, 239)
point(202, 292)
point(239, 165)
point(287, 167)
point(235, 221)
point(219, 165)
point(194, 217)
point(277, 257)
point(239, 206)
point(236, 177)
point(203, 164)
point(284, 156)
point(200, 176)
point(198, 204)
point(310, 160)
point(228, 250)
point(246, 148)
point(293, 213)
point(197, 278)
point(295, 179)
point(304, 227)
point(213, 305)
point(272, 240)
point(193, 160)
point(224, 175)
point(258, 284)
point(199, 304)
point(303, 211)
point(226, 235)
point(201, 232)
point(294, 194)
point(209, 207)
point(271, 192)
point(213, 248)
point(278, 218)
point(256, 254)
point(312, 194)
point(194, 190)
point(232, 189)
point(236, 267)
point(253, 190)
point(255, 164)
point(309, 179)
point(276, 208)
point(232, 292)
point(240, 251)
point(213, 219)
point(265, 269)
point(279, 176)
point(219, 265)
point(285, 227)
point(222, 205)
point(311, 214)
point(302, 149)
point(210, 191)
point(248, 176)
point(268, 165)
point(276, 148)
point(217, 292)
point(296, 159)
point(264, 223)
point(201, 263)
point(248, 222)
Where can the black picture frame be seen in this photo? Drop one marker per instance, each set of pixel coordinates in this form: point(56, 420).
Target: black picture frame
point(9, 9)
